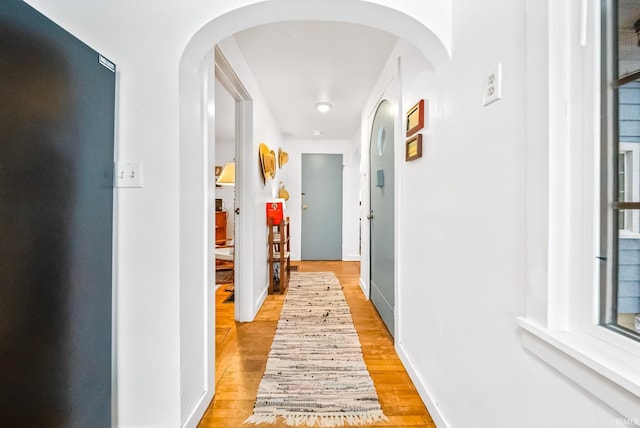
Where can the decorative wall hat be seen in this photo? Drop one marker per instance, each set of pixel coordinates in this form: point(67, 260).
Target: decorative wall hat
point(282, 193)
point(283, 157)
point(267, 162)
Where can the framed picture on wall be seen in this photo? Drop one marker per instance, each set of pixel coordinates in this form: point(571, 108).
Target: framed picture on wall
point(415, 118)
point(414, 148)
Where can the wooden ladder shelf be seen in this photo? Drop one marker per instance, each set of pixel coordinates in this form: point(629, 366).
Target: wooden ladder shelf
point(279, 255)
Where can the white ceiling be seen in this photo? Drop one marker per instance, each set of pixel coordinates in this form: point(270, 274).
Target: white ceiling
point(298, 64)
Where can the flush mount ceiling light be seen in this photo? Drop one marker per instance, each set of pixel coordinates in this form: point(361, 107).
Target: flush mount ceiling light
point(323, 106)
point(317, 133)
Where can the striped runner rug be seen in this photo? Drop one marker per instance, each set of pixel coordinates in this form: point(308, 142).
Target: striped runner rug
point(315, 372)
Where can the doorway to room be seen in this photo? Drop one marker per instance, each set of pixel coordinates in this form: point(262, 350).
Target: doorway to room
point(195, 329)
point(233, 110)
point(225, 151)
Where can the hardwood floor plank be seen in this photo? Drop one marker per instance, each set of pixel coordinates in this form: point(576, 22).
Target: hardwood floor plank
point(242, 350)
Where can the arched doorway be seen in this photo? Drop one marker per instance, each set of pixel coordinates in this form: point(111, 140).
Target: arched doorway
point(197, 335)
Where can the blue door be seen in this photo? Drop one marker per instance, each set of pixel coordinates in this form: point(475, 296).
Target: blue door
point(382, 213)
point(321, 207)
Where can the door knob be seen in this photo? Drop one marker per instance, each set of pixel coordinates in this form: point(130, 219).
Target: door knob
point(305, 207)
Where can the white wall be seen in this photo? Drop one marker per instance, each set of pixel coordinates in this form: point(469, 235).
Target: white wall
point(292, 176)
point(461, 274)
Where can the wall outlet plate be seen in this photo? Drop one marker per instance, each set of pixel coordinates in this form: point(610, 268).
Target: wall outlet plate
point(492, 88)
point(128, 174)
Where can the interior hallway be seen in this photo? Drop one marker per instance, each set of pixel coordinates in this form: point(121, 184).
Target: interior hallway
point(242, 350)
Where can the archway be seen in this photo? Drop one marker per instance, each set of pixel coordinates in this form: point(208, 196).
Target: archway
point(196, 335)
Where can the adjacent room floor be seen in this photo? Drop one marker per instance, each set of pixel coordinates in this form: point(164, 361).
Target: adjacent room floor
point(242, 350)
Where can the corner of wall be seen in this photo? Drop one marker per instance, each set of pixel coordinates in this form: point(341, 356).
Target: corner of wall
point(426, 395)
point(364, 288)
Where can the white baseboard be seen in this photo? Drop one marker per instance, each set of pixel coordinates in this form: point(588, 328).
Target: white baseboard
point(365, 289)
point(260, 301)
point(353, 258)
point(198, 410)
point(427, 397)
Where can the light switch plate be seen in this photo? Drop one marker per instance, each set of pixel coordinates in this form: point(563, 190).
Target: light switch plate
point(128, 174)
point(380, 178)
point(493, 85)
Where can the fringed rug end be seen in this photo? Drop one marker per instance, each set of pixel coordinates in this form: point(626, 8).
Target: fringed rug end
point(327, 421)
point(261, 419)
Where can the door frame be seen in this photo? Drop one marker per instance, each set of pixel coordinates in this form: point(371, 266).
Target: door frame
point(243, 128)
point(197, 247)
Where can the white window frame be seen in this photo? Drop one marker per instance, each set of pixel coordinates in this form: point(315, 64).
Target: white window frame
point(631, 152)
point(561, 320)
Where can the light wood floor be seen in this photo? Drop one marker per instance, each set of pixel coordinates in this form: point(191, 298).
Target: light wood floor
point(242, 349)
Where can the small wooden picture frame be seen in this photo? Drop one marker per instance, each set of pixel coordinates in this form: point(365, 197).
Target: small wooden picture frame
point(415, 118)
point(414, 147)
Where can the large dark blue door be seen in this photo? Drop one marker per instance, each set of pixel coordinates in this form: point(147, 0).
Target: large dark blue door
point(57, 99)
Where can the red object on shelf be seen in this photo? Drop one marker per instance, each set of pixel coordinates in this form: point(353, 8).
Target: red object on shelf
point(275, 212)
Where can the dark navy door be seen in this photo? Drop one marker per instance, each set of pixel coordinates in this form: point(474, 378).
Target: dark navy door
point(57, 99)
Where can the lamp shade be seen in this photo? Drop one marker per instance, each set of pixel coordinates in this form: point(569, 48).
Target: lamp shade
point(228, 175)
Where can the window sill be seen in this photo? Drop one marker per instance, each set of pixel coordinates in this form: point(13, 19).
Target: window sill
point(607, 372)
point(627, 234)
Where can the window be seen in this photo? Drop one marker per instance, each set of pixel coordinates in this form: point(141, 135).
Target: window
point(574, 240)
point(620, 198)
